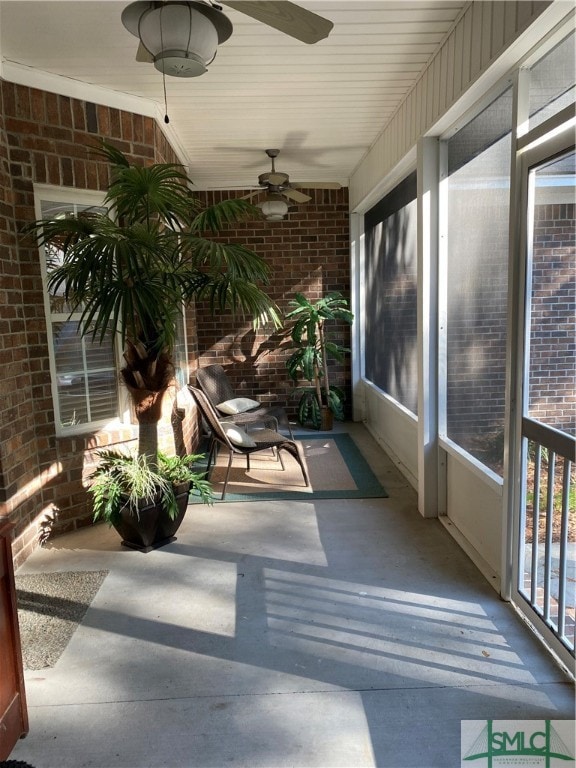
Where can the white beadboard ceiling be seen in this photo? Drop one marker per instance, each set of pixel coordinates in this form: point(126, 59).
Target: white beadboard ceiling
point(322, 105)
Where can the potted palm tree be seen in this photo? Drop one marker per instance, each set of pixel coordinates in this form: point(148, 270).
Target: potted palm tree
point(320, 401)
point(128, 271)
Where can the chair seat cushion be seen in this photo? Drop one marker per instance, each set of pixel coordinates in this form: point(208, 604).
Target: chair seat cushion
point(237, 435)
point(237, 405)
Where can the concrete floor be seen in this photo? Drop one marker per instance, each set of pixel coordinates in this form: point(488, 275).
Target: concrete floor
point(275, 634)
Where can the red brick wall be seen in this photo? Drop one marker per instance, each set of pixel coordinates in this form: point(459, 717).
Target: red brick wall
point(18, 449)
point(308, 252)
point(553, 338)
point(46, 138)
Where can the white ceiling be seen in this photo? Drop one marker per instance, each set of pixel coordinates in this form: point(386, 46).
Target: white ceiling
point(323, 105)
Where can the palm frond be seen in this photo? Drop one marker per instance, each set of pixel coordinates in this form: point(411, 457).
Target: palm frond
point(156, 192)
point(144, 193)
point(225, 212)
point(214, 257)
point(241, 297)
point(111, 153)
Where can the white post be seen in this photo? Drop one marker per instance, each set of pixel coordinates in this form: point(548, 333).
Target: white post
point(356, 306)
point(428, 454)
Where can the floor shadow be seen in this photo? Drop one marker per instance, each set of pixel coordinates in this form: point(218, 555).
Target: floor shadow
point(365, 600)
point(421, 651)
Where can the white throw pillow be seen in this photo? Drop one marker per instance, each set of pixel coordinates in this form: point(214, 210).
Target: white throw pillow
point(237, 435)
point(237, 405)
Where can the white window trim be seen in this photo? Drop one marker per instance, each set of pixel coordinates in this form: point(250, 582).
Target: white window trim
point(484, 472)
point(50, 193)
point(184, 343)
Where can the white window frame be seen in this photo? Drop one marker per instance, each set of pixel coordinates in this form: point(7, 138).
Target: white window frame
point(481, 470)
point(360, 302)
point(522, 138)
point(184, 344)
point(72, 196)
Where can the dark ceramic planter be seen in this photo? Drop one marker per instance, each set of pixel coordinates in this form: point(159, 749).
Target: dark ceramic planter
point(152, 528)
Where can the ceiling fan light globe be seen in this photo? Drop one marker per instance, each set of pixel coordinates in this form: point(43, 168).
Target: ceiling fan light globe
point(273, 210)
point(180, 64)
point(181, 37)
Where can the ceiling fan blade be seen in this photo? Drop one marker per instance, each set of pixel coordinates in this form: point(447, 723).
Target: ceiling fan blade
point(252, 194)
point(316, 185)
point(286, 17)
point(298, 197)
point(142, 54)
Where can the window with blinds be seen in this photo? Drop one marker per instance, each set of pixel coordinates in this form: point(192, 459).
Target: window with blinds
point(84, 371)
point(180, 353)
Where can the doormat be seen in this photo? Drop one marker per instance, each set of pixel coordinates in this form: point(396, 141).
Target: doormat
point(50, 608)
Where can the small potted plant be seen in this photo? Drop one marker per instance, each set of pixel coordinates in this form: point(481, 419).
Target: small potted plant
point(143, 502)
point(320, 401)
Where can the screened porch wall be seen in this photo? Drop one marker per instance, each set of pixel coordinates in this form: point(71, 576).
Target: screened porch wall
point(485, 45)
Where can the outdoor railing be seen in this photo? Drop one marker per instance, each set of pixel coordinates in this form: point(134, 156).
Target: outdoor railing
point(548, 528)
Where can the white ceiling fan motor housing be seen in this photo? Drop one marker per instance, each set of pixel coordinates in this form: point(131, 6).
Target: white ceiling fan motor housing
point(273, 178)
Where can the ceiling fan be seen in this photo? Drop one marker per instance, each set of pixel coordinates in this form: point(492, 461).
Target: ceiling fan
point(181, 38)
point(278, 183)
point(278, 191)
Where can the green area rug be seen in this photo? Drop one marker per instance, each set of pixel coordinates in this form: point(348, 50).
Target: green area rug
point(336, 468)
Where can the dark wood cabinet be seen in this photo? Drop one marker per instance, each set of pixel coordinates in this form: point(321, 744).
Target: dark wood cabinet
point(13, 712)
